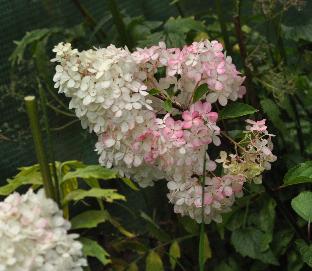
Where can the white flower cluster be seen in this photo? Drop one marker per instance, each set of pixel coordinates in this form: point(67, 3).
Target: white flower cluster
point(102, 83)
point(33, 236)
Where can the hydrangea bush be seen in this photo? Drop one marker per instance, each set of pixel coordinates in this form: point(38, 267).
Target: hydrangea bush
point(155, 114)
point(34, 235)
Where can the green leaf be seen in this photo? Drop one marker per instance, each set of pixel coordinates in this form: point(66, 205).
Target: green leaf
point(133, 267)
point(247, 242)
point(189, 224)
point(301, 173)
point(298, 32)
point(274, 114)
point(281, 241)
point(235, 110)
point(120, 228)
point(302, 204)
point(208, 253)
point(154, 262)
point(154, 229)
point(183, 25)
point(200, 92)
point(130, 183)
point(92, 171)
point(129, 244)
point(228, 265)
point(204, 247)
point(88, 219)
point(154, 91)
point(93, 249)
point(167, 105)
point(30, 38)
point(305, 251)
point(266, 219)
point(174, 253)
point(27, 176)
point(108, 195)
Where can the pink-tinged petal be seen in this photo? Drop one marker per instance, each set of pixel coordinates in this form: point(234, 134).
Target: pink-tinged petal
point(178, 133)
point(198, 106)
point(206, 107)
point(198, 122)
point(178, 125)
point(241, 92)
point(169, 122)
point(180, 142)
point(187, 124)
point(167, 132)
point(186, 115)
point(218, 86)
point(207, 199)
point(228, 191)
point(211, 166)
point(195, 114)
point(213, 116)
point(197, 202)
point(196, 143)
point(266, 151)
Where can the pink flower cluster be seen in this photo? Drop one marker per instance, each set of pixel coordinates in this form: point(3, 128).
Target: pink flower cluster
point(111, 92)
point(196, 64)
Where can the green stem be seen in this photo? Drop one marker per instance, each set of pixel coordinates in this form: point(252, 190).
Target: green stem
point(50, 147)
point(32, 111)
point(223, 26)
point(284, 211)
point(60, 110)
point(251, 94)
point(65, 125)
point(89, 19)
point(201, 254)
point(298, 127)
point(124, 36)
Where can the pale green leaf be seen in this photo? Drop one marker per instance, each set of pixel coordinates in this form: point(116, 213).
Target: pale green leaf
point(154, 91)
point(174, 254)
point(133, 267)
point(120, 228)
point(235, 110)
point(92, 249)
point(208, 253)
point(302, 204)
point(200, 92)
point(167, 105)
point(305, 251)
point(130, 183)
point(108, 195)
point(301, 173)
point(92, 171)
point(88, 219)
point(27, 176)
point(154, 262)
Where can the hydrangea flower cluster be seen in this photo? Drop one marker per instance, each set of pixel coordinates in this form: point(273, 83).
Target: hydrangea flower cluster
point(120, 96)
point(33, 236)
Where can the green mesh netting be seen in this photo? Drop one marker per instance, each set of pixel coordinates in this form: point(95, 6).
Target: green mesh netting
point(16, 18)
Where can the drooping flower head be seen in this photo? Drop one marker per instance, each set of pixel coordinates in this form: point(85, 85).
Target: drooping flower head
point(121, 96)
